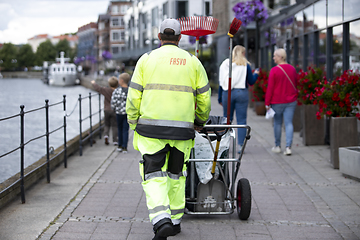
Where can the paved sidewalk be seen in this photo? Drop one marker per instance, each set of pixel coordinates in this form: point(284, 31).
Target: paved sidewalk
point(293, 197)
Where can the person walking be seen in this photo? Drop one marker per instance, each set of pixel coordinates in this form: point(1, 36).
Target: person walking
point(168, 99)
point(110, 116)
point(281, 96)
point(118, 103)
point(242, 78)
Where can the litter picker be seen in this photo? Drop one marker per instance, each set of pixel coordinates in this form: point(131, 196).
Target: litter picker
point(234, 27)
point(198, 26)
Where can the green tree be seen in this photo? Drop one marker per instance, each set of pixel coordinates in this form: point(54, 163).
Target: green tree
point(26, 56)
point(8, 55)
point(63, 46)
point(45, 52)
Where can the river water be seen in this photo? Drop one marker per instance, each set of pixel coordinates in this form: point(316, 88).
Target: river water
point(32, 94)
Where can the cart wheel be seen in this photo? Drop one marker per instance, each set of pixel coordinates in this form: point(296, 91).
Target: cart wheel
point(243, 199)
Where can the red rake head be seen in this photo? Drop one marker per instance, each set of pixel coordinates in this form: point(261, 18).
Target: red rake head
point(234, 27)
point(198, 26)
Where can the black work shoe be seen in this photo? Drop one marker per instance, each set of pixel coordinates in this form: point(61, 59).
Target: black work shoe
point(176, 229)
point(163, 229)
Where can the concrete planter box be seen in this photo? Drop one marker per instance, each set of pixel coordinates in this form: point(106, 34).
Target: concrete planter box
point(349, 161)
point(313, 129)
point(343, 133)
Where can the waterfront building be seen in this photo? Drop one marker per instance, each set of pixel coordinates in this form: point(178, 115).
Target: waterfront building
point(86, 49)
point(323, 33)
point(35, 41)
point(142, 22)
point(111, 34)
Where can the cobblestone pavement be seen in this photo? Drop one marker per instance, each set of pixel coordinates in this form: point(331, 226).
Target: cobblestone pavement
point(293, 197)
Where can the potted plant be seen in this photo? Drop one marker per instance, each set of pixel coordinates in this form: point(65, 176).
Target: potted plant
point(259, 90)
point(313, 130)
point(339, 100)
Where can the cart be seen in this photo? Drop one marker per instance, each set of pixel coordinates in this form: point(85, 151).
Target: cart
point(213, 192)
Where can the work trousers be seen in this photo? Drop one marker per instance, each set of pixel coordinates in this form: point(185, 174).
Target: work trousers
point(163, 171)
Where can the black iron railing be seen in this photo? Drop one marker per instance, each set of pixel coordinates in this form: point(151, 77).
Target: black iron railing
point(47, 134)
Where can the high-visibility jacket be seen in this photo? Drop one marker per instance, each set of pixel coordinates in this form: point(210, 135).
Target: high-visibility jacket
point(166, 85)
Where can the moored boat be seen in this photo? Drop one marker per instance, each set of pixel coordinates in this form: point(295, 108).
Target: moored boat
point(62, 73)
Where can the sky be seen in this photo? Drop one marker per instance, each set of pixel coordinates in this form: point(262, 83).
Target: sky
point(24, 19)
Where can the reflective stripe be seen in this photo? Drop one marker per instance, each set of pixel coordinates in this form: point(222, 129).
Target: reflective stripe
point(159, 217)
point(136, 86)
point(154, 175)
point(174, 176)
point(132, 121)
point(158, 209)
point(177, 211)
point(169, 87)
point(203, 89)
point(176, 221)
point(167, 123)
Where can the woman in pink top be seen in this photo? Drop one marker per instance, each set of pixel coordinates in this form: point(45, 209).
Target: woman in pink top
point(281, 96)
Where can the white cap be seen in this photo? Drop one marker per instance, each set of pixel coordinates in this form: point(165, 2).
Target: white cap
point(172, 24)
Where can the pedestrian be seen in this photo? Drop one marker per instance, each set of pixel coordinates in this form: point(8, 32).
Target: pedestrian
point(281, 96)
point(110, 116)
point(241, 78)
point(118, 104)
point(168, 99)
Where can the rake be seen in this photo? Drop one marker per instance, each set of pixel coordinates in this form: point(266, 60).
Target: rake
point(234, 27)
point(198, 26)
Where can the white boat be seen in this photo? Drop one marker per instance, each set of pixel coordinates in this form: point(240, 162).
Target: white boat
point(62, 73)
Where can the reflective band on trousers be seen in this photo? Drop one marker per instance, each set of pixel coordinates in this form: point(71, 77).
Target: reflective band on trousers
point(167, 123)
point(154, 175)
point(158, 209)
point(177, 211)
point(175, 176)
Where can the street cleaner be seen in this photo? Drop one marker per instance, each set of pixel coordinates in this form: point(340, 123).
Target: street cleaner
point(168, 99)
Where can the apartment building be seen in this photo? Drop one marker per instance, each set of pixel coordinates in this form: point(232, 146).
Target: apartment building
point(142, 22)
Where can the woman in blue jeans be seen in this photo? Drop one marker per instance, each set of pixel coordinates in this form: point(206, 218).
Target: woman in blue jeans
point(281, 96)
point(241, 78)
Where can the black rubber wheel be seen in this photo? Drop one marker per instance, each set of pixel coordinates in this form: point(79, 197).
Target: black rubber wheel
point(243, 199)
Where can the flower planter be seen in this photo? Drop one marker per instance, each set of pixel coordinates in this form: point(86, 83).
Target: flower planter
point(297, 119)
point(260, 108)
point(313, 129)
point(343, 133)
point(349, 161)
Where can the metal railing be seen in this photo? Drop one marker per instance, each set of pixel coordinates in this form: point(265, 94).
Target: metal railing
point(47, 134)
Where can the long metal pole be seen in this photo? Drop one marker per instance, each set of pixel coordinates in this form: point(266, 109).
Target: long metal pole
point(65, 147)
point(91, 134)
point(80, 120)
point(22, 114)
point(229, 85)
point(47, 141)
point(100, 116)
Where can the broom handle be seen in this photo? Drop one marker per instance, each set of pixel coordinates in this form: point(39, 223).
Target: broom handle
point(197, 47)
point(229, 86)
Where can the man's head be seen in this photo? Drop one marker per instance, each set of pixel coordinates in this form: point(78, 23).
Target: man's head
point(170, 31)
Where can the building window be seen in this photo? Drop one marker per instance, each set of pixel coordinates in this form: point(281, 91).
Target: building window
point(123, 9)
point(101, 25)
point(165, 10)
point(115, 9)
point(115, 50)
point(117, 21)
point(354, 55)
point(320, 15)
point(155, 16)
point(334, 12)
point(207, 9)
point(117, 35)
point(181, 9)
point(337, 50)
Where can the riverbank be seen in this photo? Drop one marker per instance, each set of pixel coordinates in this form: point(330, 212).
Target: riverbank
point(22, 74)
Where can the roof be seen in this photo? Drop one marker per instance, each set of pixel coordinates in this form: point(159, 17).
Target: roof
point(39, 36)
